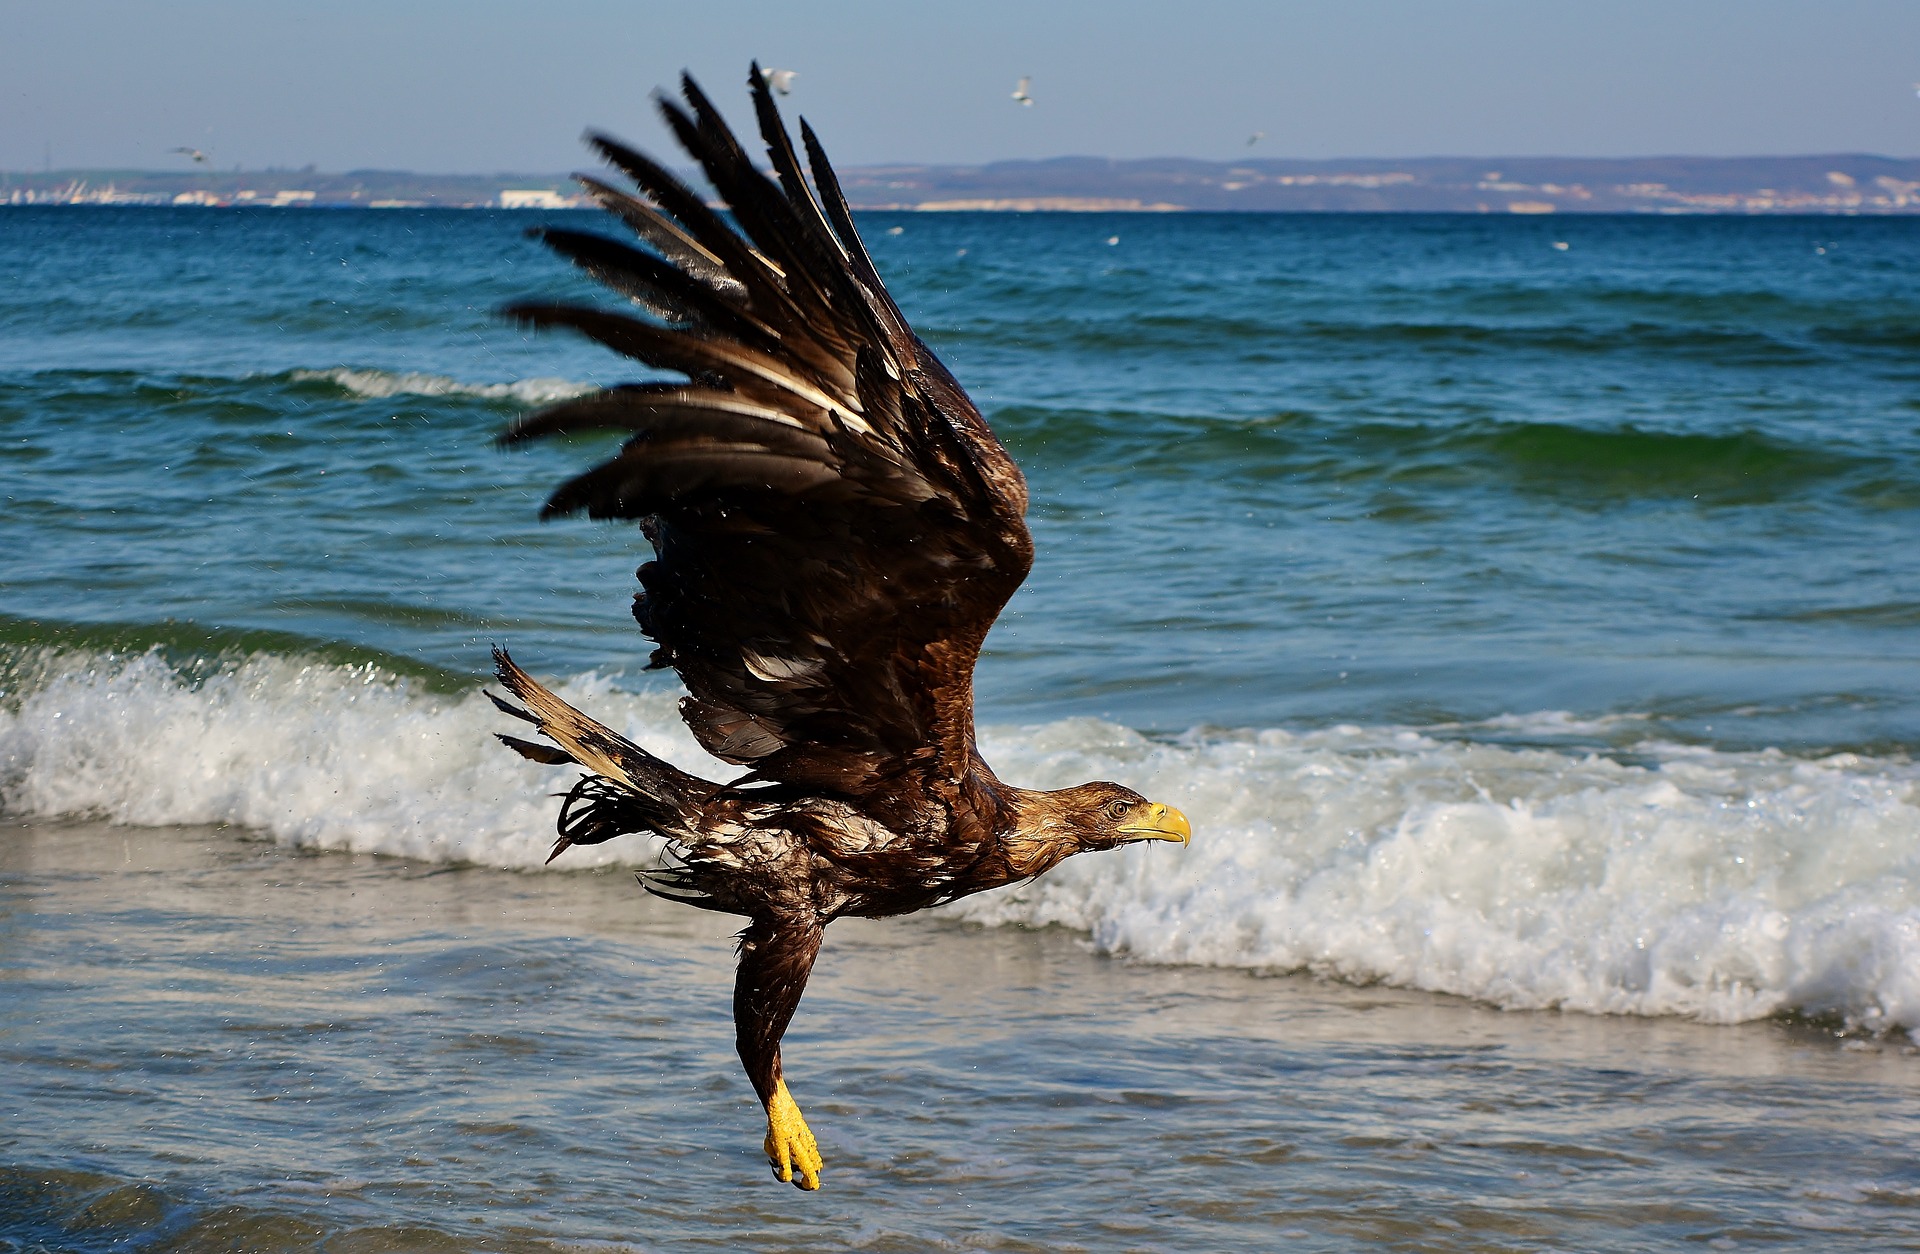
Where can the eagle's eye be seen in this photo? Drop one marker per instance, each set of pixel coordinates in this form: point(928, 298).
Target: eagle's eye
point(1117, 808)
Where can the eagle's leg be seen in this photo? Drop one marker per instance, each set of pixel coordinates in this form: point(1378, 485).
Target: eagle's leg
point(776, 956)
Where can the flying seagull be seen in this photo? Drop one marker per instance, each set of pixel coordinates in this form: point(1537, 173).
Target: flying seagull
point(835, 528)
point(1255, 138)
point(200, 158)
point(780, 80)
point(1020, 92)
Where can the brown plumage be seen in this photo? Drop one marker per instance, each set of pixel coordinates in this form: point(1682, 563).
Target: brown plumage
point(835, 529)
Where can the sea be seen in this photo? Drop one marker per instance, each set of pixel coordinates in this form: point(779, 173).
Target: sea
point(1526, 611)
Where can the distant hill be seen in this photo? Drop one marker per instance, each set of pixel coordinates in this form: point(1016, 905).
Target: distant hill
point(1830, 184)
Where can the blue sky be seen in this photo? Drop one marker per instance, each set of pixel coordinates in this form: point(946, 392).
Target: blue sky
point(485, 86)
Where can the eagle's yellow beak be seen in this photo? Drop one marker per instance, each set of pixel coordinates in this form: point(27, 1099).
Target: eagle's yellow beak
point(1158, 822)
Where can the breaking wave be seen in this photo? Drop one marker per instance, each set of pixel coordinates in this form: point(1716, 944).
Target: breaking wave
point(1673, 879)
point(374, 384)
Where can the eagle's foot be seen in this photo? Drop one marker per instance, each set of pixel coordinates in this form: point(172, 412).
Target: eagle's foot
point(791, 1150)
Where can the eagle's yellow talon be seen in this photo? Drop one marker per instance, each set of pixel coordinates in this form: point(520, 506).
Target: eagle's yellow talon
point(791, 1150)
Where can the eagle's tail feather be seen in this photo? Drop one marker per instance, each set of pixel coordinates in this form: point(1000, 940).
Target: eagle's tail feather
point(544, 754)
point(630, 789)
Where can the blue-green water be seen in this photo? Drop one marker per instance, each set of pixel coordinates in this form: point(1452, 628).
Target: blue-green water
point(1527, 610)
point(1286, 470)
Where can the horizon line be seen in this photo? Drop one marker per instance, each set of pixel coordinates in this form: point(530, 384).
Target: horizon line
point(313, 169)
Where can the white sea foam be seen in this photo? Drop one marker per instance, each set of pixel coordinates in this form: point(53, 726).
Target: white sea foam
point(383, 383)
point(334, 757)
point(1725, 886)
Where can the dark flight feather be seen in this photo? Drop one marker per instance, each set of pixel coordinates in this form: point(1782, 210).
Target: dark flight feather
point(660, 407)
point(786, 164)
point(761, 206)
point(835, 206)
point(738, 365)
point(675, 245)
point(509, 708)
point(678, 201)
point(659, 286)
point(545, 754)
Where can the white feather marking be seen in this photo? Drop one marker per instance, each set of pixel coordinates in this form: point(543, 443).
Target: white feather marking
point(779, 669)
point(774, 374)
point(773, 267)
point(852, 422)
point(728, 405)
point(855, 833)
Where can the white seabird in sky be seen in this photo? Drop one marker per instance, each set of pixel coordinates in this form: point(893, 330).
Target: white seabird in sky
point(780, 80)
point(1020, 92)
point(198, 156)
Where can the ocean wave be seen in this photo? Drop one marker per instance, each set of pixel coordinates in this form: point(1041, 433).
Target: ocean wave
point(309, 752)
point(34, 648)
point(1723, 886)
point(1720, 885)
point(383, 383)
point(1588, 465)
point(1208, 333)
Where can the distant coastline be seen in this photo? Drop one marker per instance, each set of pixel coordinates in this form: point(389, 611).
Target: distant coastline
point(1840, 183)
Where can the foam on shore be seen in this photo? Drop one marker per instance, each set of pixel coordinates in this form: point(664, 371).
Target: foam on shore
point(1723, 886)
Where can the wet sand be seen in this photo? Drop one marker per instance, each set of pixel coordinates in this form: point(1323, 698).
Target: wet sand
point(209, 1041)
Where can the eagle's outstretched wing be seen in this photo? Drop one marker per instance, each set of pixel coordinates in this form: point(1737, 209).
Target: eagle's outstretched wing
point(836, 526)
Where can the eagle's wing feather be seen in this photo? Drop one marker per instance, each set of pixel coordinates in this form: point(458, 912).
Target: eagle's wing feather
point(836, 526)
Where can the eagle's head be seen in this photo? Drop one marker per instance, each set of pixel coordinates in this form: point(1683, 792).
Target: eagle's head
point(1053, 826)
point(1106, 816)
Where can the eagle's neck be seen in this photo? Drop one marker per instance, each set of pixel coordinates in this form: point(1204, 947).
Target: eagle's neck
point(1032, 835)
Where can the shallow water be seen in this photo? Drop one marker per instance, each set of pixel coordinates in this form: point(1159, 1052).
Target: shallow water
point(214, 1042)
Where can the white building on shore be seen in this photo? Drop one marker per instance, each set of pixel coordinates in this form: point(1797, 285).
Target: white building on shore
point(538, 198)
